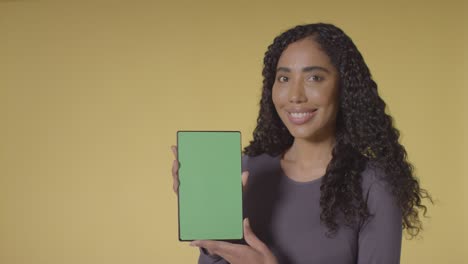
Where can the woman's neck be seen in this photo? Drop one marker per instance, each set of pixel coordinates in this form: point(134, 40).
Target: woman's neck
point(308, 153)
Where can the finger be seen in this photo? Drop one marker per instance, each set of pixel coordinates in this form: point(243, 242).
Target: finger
point(252, 239)
point(175, 186)
point(174, 151)
point(175, 175)
point(245, 176)
point(175, 169)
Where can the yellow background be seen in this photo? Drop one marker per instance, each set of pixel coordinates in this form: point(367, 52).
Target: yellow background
point(92, 94)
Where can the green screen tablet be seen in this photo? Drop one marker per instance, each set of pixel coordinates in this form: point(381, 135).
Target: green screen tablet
point(210, 185)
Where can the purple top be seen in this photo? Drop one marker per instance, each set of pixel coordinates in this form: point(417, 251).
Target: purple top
point(285, 215)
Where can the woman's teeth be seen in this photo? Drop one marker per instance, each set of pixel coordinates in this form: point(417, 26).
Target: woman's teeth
point(299, 118)
point(300, 115)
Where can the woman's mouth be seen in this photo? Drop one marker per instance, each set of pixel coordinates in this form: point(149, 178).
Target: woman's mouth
point(301, 117)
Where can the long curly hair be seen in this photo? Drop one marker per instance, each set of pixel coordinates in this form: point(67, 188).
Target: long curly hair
point(364, 133)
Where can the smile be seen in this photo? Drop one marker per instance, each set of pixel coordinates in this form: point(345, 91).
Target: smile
point(299, 118)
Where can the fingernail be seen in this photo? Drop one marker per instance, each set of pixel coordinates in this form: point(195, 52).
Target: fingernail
point(193, 244)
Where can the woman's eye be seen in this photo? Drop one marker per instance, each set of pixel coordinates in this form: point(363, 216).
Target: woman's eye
point(282, 79)
point(316, 78)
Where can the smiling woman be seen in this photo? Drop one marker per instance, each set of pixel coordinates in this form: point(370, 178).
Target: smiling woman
point(329, 181)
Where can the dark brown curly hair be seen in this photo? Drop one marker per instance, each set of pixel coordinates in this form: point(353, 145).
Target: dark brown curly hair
point(364, 133)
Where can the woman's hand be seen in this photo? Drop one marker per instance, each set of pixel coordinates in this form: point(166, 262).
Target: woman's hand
point(255, 252)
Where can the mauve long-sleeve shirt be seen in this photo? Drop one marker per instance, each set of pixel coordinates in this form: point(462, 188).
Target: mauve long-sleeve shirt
point(285, 215)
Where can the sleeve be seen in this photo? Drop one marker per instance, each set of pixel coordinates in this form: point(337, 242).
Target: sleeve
point(245, 163)
point(205, 257)
point(380, 237)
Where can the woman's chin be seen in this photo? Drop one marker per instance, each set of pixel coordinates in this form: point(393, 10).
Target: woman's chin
point(300, 133)
point(310, 134)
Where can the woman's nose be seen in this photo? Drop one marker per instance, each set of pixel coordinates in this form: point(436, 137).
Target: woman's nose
point(297, 93)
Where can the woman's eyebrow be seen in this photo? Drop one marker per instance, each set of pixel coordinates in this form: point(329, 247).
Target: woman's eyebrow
point(305, 69)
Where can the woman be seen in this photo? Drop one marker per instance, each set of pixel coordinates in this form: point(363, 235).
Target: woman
point(329, 181)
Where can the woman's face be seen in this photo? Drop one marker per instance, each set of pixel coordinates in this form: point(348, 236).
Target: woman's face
point(305, 92)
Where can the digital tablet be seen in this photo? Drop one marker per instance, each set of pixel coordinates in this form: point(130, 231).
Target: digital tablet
point(210, 185)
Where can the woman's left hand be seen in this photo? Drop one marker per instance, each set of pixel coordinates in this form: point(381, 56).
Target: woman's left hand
point(256, 252)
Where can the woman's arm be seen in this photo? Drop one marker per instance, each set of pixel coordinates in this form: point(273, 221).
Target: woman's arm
point(380, 237)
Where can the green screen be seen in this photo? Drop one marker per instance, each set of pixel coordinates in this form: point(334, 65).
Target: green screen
point(210, 190)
